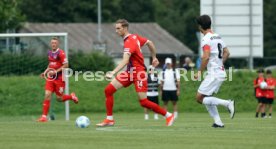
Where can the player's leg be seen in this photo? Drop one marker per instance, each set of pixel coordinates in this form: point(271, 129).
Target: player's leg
point(259, 105)
point(49, 89)
point(109, 91)
point(165, 99)
point(174, 102)
point(212, 110)
point(46, 106)
point(210, 86)
point(141, 87)
point(61, 97)
point(144, 102)
point(146, 113)
point(263, 107)
point(155, 100)
point(270, 108)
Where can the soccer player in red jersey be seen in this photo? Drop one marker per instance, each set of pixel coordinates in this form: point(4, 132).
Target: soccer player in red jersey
point(135, 73)
point(54, 78)
point(259, 93)
point(269, 93)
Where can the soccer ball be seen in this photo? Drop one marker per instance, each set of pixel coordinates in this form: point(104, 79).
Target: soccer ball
point(263, 85)
point(82, 122)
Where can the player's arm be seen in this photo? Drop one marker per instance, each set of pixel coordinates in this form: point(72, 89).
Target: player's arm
point(205, 58)
point(272, 87)
point(256, 84)
point(121, 65)
point(65, 65)
point(177, 82)
point(226, 54)
point(152, 49)
point(42, 75)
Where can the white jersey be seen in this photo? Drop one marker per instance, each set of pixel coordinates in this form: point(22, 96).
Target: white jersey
point(215, 64)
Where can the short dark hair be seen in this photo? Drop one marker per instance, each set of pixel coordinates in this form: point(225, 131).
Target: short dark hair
point(268, 71)
point(124, 22)
point(260, 70)
point(204, 21)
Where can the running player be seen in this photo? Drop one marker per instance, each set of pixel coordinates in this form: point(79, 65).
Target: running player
point(135, 73)
point(215, 53)
point(54, 78)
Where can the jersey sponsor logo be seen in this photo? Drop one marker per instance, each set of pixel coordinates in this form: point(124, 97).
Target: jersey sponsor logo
point(215, 37)
point(52, 63)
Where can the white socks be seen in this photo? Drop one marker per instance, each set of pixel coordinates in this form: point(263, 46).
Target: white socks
point(168, 114)
point(215, 101)
point(109, 117)
point(175, 114)
point(146, 116)
point(213, 111)
point(155, 116)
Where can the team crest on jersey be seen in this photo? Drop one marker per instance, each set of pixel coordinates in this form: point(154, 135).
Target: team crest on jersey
point(140, 84)
point(61, 90)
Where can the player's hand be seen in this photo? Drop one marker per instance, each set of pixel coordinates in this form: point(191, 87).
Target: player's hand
point(42, 75)
point(178, 92)
point(197, 75)
point(155, 62)
point(109, 75)
point(51, 73)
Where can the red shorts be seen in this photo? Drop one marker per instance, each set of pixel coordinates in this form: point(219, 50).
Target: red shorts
point(56, 86)
point(139, 79)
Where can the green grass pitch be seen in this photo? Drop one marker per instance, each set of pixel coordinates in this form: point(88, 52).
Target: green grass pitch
point(190, 131)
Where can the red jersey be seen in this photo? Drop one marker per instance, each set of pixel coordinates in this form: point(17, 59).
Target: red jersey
point(259, 92)
point(270, 92)
point(56, 60)
point(132, 45)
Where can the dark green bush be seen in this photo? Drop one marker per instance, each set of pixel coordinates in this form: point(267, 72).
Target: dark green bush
point(24, 64)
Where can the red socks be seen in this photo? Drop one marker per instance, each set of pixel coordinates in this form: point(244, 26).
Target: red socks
point(153, 106)
point(66, 97)
point(46, 106)
point(109, 100)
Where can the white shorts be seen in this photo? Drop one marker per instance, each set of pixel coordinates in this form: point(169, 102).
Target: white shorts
point(210, 85)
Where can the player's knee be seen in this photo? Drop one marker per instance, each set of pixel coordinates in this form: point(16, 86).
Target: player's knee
point(109, 90)
point(199, 98)
point(48, 96)
point(143, 103)
point(59, 98)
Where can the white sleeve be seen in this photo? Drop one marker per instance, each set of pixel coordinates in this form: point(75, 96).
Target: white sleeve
point(205, 41)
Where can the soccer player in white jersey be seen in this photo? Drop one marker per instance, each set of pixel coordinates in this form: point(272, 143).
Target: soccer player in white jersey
point(215, 53)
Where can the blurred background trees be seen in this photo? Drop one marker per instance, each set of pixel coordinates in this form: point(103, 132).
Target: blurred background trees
point(176, 16)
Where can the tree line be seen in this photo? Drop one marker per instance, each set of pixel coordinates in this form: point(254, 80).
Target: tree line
point(176, 16)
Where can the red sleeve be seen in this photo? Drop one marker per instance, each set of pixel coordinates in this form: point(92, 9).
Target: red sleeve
point(254, 82)
point(129, 46)
point(206, 48)
point(142, 40)
point(62, 57)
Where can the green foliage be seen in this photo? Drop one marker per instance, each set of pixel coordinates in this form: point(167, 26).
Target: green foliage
point(178, 18)
point(13, 64)
point(24, 94)
point(10, 15)
point(269, 28)
point(91, 62)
